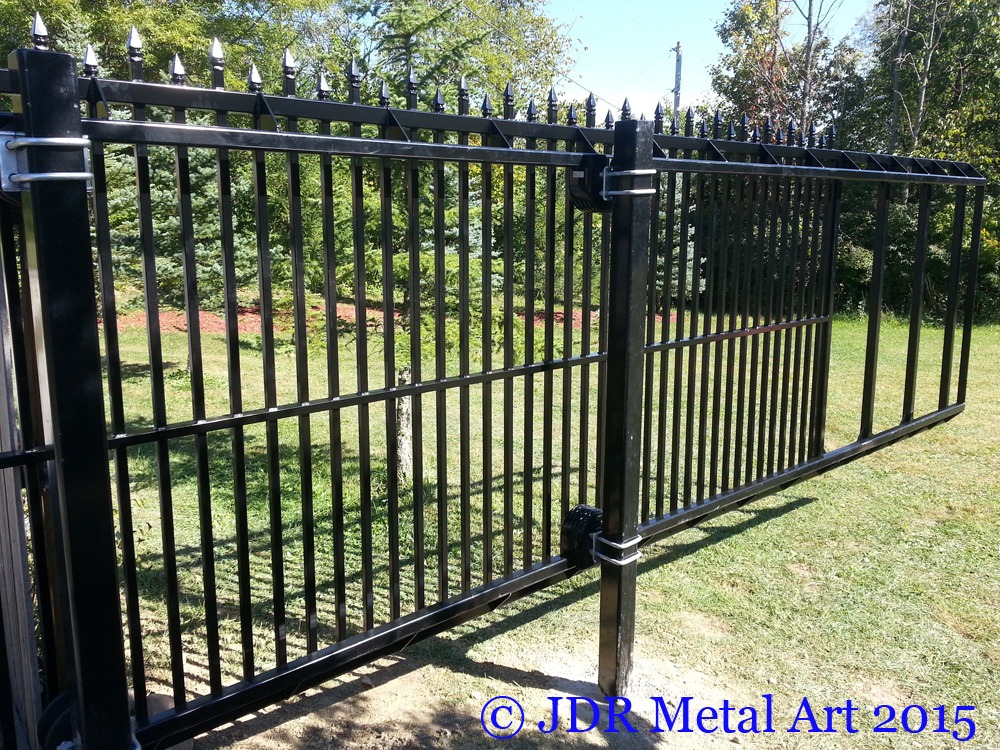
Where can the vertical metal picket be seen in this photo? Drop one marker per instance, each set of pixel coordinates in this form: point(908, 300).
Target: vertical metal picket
point(630, 176)
point(62, 274)
point(824, 334)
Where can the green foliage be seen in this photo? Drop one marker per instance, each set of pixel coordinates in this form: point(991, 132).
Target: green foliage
point(919, 80)
point(491, 42)
point(763, 73)
point(752, 76)
point(488, 41)
point(928, 91)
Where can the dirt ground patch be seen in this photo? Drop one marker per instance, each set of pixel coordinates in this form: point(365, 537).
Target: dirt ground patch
point(433, 694)
point(407, 702)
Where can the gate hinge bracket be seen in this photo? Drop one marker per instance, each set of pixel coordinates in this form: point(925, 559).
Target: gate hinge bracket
point(14, 174)
point(593, 184)
point(576, 538)
point(617, 553)
point(630, 187)
point(582, 542)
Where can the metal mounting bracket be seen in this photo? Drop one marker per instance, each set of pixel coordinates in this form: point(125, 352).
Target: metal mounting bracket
point(620, 547)
point(14, 174)
point(609, 174)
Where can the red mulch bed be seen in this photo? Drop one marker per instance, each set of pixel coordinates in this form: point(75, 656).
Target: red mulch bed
point(249, 319)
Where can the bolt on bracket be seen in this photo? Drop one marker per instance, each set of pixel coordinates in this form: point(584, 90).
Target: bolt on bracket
point(14, 174)
point(620, 549)
point(610, 174)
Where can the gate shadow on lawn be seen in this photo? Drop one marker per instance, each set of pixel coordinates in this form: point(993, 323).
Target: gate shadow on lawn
point(339, 705)
point(152, 577)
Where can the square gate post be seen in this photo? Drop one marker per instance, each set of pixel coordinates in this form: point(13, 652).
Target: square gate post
point(628, 183)
point(61, 273)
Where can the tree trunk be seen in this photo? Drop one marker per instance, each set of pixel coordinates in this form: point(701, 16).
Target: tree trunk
point(937, 23)
point(810, 54)
point(404, 432)
point(897, 64)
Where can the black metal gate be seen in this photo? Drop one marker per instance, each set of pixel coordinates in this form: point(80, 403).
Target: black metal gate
point(388, 369)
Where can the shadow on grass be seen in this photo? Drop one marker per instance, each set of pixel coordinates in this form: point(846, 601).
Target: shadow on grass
point(442, 725)
point(297, 524)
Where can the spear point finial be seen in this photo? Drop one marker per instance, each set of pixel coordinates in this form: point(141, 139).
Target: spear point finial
point(255, 83)
point(353, 82)
point(411, 88)
point(531, 114)
point(39, 33)
point(463, 96)
point(90, 61)
point(134, 40)
point(177, 71)
point(215, 53)
point(322, 87)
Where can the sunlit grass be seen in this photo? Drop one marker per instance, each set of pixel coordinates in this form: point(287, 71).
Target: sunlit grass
point(878, 576)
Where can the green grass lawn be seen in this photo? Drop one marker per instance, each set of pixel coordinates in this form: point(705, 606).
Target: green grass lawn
point(877, 581)
point(144, 475)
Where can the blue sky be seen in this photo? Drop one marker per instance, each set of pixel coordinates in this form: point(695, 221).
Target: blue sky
point(623, 47)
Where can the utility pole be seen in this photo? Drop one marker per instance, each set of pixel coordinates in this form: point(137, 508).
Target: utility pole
point(677, 84)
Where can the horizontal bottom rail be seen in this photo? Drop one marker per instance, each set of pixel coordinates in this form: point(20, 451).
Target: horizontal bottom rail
point(275, 685)
point(685, 517)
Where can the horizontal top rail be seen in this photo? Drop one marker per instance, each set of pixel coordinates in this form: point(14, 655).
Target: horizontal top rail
point(169, 134)
point(713, 155)
point(195, 136)
point(720, 151)
point(131, 93)
point(743, 168)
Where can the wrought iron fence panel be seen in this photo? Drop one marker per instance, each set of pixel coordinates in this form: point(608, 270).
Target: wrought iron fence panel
point(370, 371)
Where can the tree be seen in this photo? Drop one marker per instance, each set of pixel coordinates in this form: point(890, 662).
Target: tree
point(930, 86)
point(490, 42)
point(765, 73)
point(752, 77)
point(931, 89)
